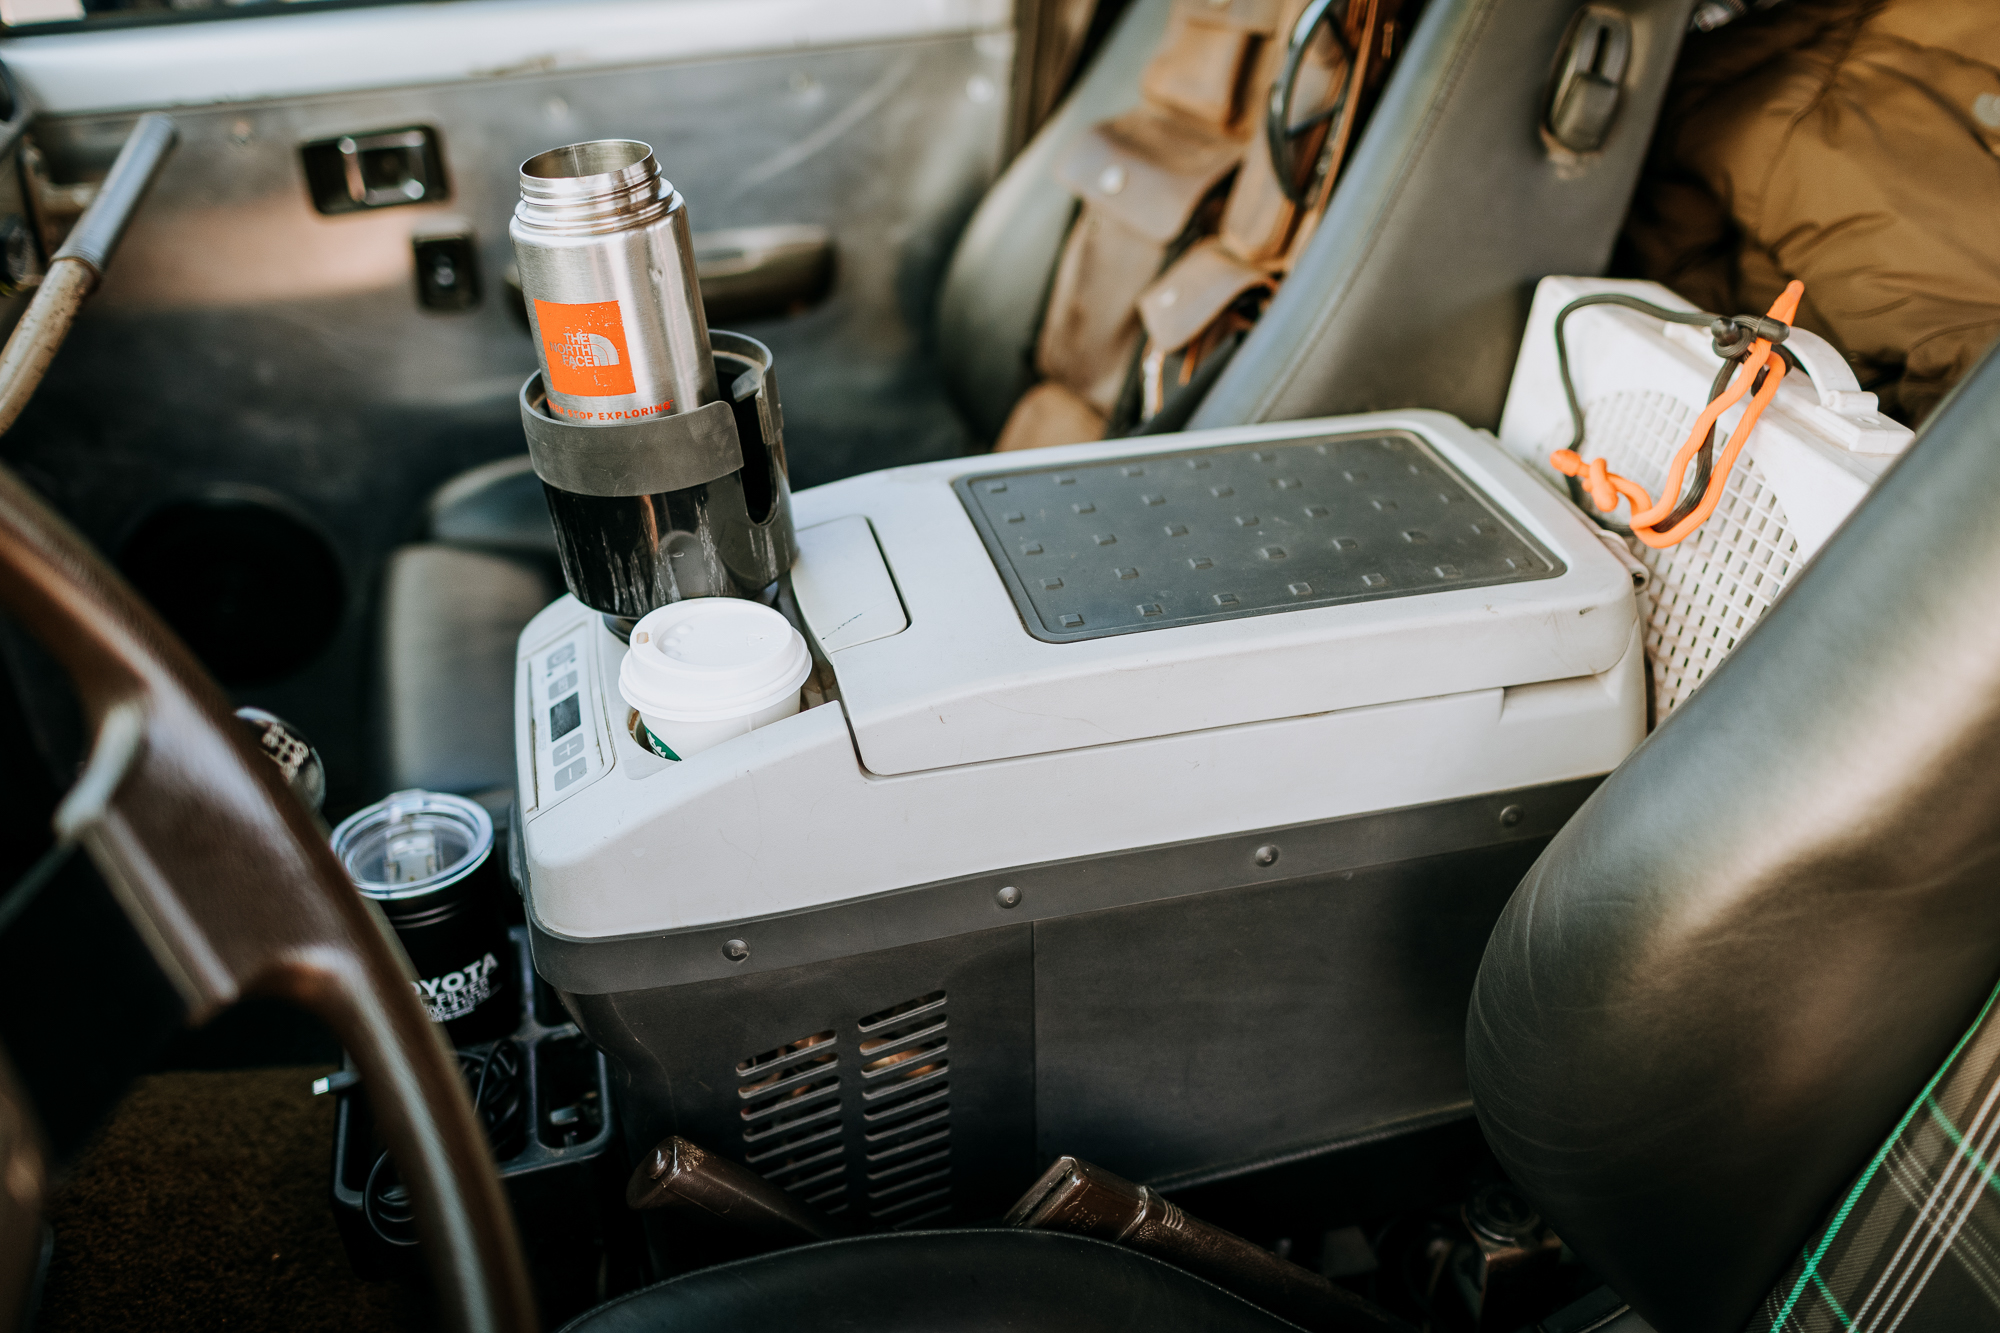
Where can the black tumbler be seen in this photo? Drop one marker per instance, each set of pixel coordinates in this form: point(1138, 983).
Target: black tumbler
point(426, 859)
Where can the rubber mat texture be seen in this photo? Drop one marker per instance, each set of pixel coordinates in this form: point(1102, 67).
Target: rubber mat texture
point(202, 1204)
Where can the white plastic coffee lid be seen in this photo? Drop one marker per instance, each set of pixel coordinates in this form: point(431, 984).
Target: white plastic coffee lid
point(708, 659)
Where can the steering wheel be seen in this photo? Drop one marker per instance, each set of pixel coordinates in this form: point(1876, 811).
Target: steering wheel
point(224, 873)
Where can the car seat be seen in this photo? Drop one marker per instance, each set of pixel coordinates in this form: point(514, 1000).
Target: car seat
point(1414, 292)
point(452, 608)
point(1734, 1036)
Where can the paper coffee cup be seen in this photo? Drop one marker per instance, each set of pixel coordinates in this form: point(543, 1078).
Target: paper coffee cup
point(703, 670)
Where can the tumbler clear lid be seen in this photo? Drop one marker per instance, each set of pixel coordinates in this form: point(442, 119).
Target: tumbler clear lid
point(412, 843)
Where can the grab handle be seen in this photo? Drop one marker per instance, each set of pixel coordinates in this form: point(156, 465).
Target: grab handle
point(97, 233)
point(79, 264)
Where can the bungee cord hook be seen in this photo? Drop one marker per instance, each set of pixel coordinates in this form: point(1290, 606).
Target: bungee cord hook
point(1751, 343)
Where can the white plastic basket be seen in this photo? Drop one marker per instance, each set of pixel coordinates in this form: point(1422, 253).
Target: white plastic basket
point(1642, 382)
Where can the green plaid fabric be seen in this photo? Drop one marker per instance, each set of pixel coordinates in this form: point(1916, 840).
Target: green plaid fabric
point(1915, 1243)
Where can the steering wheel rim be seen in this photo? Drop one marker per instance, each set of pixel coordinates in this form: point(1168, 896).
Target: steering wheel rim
point(228, 880)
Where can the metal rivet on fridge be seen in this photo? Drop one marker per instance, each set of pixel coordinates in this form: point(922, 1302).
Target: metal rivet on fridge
point(735, 951)
point(1008, 897)
point(1267, 855)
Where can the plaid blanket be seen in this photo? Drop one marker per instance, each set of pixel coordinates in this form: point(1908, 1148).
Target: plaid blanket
point(1914, 1244)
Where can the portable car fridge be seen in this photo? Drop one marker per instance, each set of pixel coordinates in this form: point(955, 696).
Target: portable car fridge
point(1157, 801)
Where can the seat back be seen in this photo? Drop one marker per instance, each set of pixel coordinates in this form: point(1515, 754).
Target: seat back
point(1414, 290)
point(990, 307)
point(1726, 981)
point(1417, 286)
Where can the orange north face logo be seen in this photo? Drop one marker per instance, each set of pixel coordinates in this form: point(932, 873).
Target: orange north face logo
point(585, 345)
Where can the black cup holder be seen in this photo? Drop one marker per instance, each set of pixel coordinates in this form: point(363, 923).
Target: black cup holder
point(563, 1175)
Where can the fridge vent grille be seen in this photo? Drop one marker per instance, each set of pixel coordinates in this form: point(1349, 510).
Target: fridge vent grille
point(906, 1112)
point(791, 1119)
point(803, 1104)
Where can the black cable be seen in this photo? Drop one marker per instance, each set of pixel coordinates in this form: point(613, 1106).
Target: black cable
point(1731, 338)
point(385, 1205)
point(500, 1096)
point(499, 1087)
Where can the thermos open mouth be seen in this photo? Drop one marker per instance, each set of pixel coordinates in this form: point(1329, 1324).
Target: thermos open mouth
point(597, 157)
point(413, 843)
point(587, 187)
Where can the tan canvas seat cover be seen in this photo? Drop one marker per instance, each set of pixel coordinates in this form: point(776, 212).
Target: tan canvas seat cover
point(1854, 144)
point(1160, 252)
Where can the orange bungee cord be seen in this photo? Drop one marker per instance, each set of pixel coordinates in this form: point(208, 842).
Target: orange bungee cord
point(1606, 487)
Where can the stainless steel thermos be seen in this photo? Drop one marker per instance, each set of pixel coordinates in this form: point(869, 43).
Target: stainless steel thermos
point(607, 265)
point(661, 452)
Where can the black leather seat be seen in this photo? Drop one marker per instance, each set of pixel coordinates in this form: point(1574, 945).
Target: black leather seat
point(1710, 1035)
point(937, 1282)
